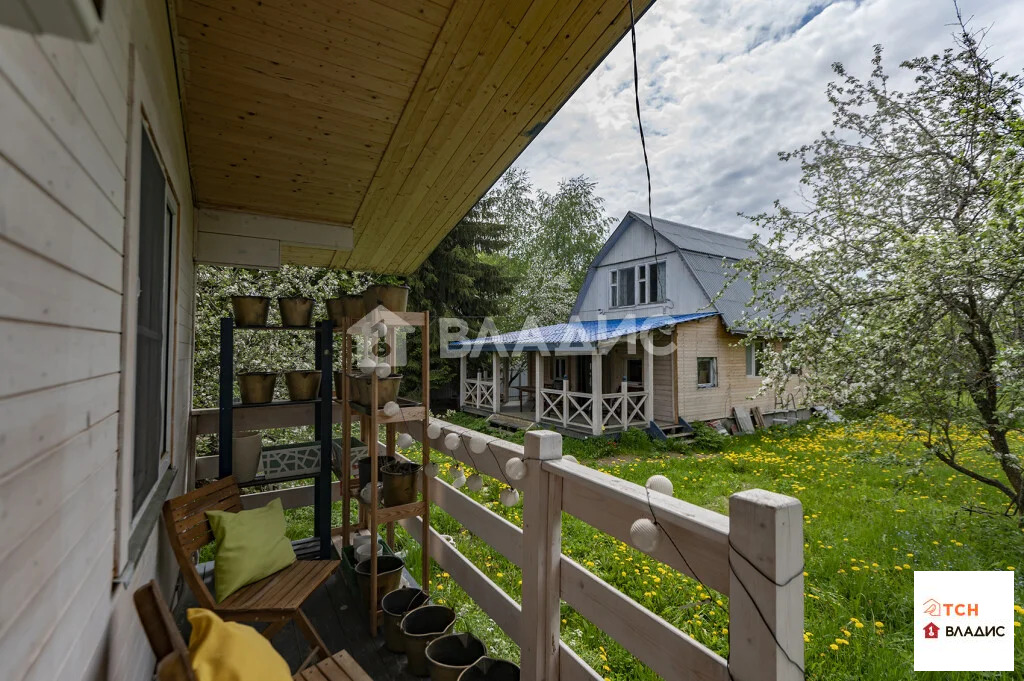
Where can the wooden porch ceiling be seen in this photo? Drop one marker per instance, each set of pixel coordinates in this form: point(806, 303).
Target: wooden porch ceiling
point(391, 116)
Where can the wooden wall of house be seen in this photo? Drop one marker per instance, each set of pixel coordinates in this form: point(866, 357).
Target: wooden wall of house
point(709, 338)
point(65, 184)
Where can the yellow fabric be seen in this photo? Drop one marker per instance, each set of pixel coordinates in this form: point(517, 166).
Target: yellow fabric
point(229, 651)
point(249, 545)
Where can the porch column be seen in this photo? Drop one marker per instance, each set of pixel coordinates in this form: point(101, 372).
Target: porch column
point(463, 362)
point(597, 412)
point(538, 384)
point(649, 379)
point(496, 382)
point(506, 387)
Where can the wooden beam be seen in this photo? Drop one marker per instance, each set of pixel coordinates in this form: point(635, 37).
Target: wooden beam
point(281, 229)
point(225, 249)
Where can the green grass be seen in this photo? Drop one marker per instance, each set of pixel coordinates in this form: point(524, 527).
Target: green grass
point(876, 509)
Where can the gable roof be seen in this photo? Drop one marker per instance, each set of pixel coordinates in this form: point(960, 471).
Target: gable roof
point(710, 257)
point(574, 335)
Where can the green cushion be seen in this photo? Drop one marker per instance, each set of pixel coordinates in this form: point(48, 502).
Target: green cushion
point(249, 545)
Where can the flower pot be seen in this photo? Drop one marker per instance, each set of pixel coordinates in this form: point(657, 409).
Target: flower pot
point(257, 386)
point(394, 298)
point(364, 468)
point(250, 310)
point(389, 575)
point(347, 306)
point(296, 311)
point(246, 449)
point(303, 385)
point(362, 551)
point(419, 628)
point(449, 656)
point(395, 606)
point(490, 669)
point(400, 482)
point(387, 389)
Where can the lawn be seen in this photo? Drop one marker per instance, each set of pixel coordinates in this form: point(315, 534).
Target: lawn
point(876, 509)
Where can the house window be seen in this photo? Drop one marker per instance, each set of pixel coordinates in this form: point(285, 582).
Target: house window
point(707, 372)
point(755, 352)
point(635, 370)
point(561, 370)
point(638, 285)
point(156, 218)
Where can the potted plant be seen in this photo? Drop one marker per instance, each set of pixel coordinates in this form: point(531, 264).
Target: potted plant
point(345, 306)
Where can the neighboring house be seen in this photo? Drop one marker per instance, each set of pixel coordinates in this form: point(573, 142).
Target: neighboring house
point(660, 284)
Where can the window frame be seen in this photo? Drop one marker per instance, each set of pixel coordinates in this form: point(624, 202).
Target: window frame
point(754, 362)
point(713, 371)
point(643, 293)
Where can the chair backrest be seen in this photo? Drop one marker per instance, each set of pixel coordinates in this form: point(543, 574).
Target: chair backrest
point(173, 661)
point(188, 529)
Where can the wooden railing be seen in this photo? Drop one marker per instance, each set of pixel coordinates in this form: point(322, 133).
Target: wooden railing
point(479, 392)
point(617, 411)
point(754, 555)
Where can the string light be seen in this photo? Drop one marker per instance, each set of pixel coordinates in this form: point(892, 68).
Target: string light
point(383, 370)
point(392, 409)
point(515, 469)
point(509, 497)
point(478, 444)
point(475, 483)
point(644, 535)
point(659, 483)
point(430, 470)
point(404, 439)
point(451, 441)
point(434, 430)
point(367, 365)
point(460, 479)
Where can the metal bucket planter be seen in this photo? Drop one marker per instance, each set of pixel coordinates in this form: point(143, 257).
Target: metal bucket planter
point(490, 669)
point(350, 306)
point(419, 628)
point(400, 482)
point(394, 298)
point(364, 468)
point(389, 575)
point(387, 389)
point(246, 449)
point(303, 385)
point(257, 387)
point(296, 311)
point(449, 656)
point(250, 310)
point(395, 606)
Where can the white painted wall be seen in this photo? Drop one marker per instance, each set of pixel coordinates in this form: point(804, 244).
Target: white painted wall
point(70, 117)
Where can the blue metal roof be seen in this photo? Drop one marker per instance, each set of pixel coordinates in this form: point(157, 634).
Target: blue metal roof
point(573, 336)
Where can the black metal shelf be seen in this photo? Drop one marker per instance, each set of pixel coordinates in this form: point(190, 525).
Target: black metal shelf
point(260, 480)
point(275, 403)
point(276, 327)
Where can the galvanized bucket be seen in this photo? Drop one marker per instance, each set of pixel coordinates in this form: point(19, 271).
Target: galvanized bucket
point(389, 575)
point(449, 656)
point(250, 310)
point(419, 628)
point(395, 606)
point(303, 385)
point(400, 482)
point(257, 387)
point(490, 669)
point(394, 298)
point(296, 311)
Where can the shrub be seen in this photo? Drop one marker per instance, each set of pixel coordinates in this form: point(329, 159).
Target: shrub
point(707, 438)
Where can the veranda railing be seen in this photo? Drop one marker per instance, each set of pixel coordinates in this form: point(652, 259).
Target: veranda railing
point(754, 555)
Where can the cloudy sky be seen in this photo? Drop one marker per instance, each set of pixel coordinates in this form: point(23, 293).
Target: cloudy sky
point(725, 85)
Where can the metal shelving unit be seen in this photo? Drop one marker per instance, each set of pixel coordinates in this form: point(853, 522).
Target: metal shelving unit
point(323, 416)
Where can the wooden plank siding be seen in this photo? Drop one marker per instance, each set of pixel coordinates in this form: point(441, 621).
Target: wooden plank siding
point(69, 110)
point(709, 338)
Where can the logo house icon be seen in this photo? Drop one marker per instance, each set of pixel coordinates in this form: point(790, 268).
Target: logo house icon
point(932, 607)
point(931, 630)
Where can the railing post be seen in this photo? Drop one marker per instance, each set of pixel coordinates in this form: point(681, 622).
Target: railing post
point(538, 381)
point(596, 393)
point(565, 401)
point(476, 390)
point(463, 361)
point(542, 550)
point(766, 584)
point(624, 407)
point(649, 380)
point(496, 382)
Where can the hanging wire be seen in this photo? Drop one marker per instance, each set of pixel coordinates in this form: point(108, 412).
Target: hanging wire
point(643, 138)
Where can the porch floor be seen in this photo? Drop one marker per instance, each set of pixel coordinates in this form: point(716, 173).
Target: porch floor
point(342, 624)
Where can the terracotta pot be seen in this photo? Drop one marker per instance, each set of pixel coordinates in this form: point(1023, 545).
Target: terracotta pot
point(389, 575)
point(250, 310)
point(387, 389)
point(257, 386)
point(246, 450)
point(490, 669)
point(400, 482)
point(394, 298)
point(303, 385)
point(449, 656)
point(296, 311)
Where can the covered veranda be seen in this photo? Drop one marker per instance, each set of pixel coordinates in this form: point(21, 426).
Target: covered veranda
point(586, 377)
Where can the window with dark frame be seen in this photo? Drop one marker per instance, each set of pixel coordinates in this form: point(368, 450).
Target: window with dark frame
point(639, 285)
point(707, 372)
point(156, 218)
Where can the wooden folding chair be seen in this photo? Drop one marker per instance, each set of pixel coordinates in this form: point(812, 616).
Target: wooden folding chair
point(174, 663)
point(275, 599)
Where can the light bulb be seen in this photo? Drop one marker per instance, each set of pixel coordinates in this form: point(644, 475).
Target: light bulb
point(434, 430)
point(383, 370)
point(475, 483)
point(515, 469)
point(570, 457)
point(367, 365)
point(509, 497)
point(460, 479)
point(379, 329)
point(430, 470)
point(477, 444)
point(451, 441)
point(392, 409)
point(644, 535)
point(404, 439)
point(659, 483)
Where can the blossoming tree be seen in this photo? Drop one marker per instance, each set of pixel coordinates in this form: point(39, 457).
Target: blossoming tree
point(900, 281)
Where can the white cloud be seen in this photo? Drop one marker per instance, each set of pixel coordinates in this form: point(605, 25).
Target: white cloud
point(725, 85)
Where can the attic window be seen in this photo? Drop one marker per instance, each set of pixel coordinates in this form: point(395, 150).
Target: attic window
point(640, 285)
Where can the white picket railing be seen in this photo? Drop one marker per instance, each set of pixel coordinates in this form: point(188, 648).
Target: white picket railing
point(479, 392)
point(619, 410)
